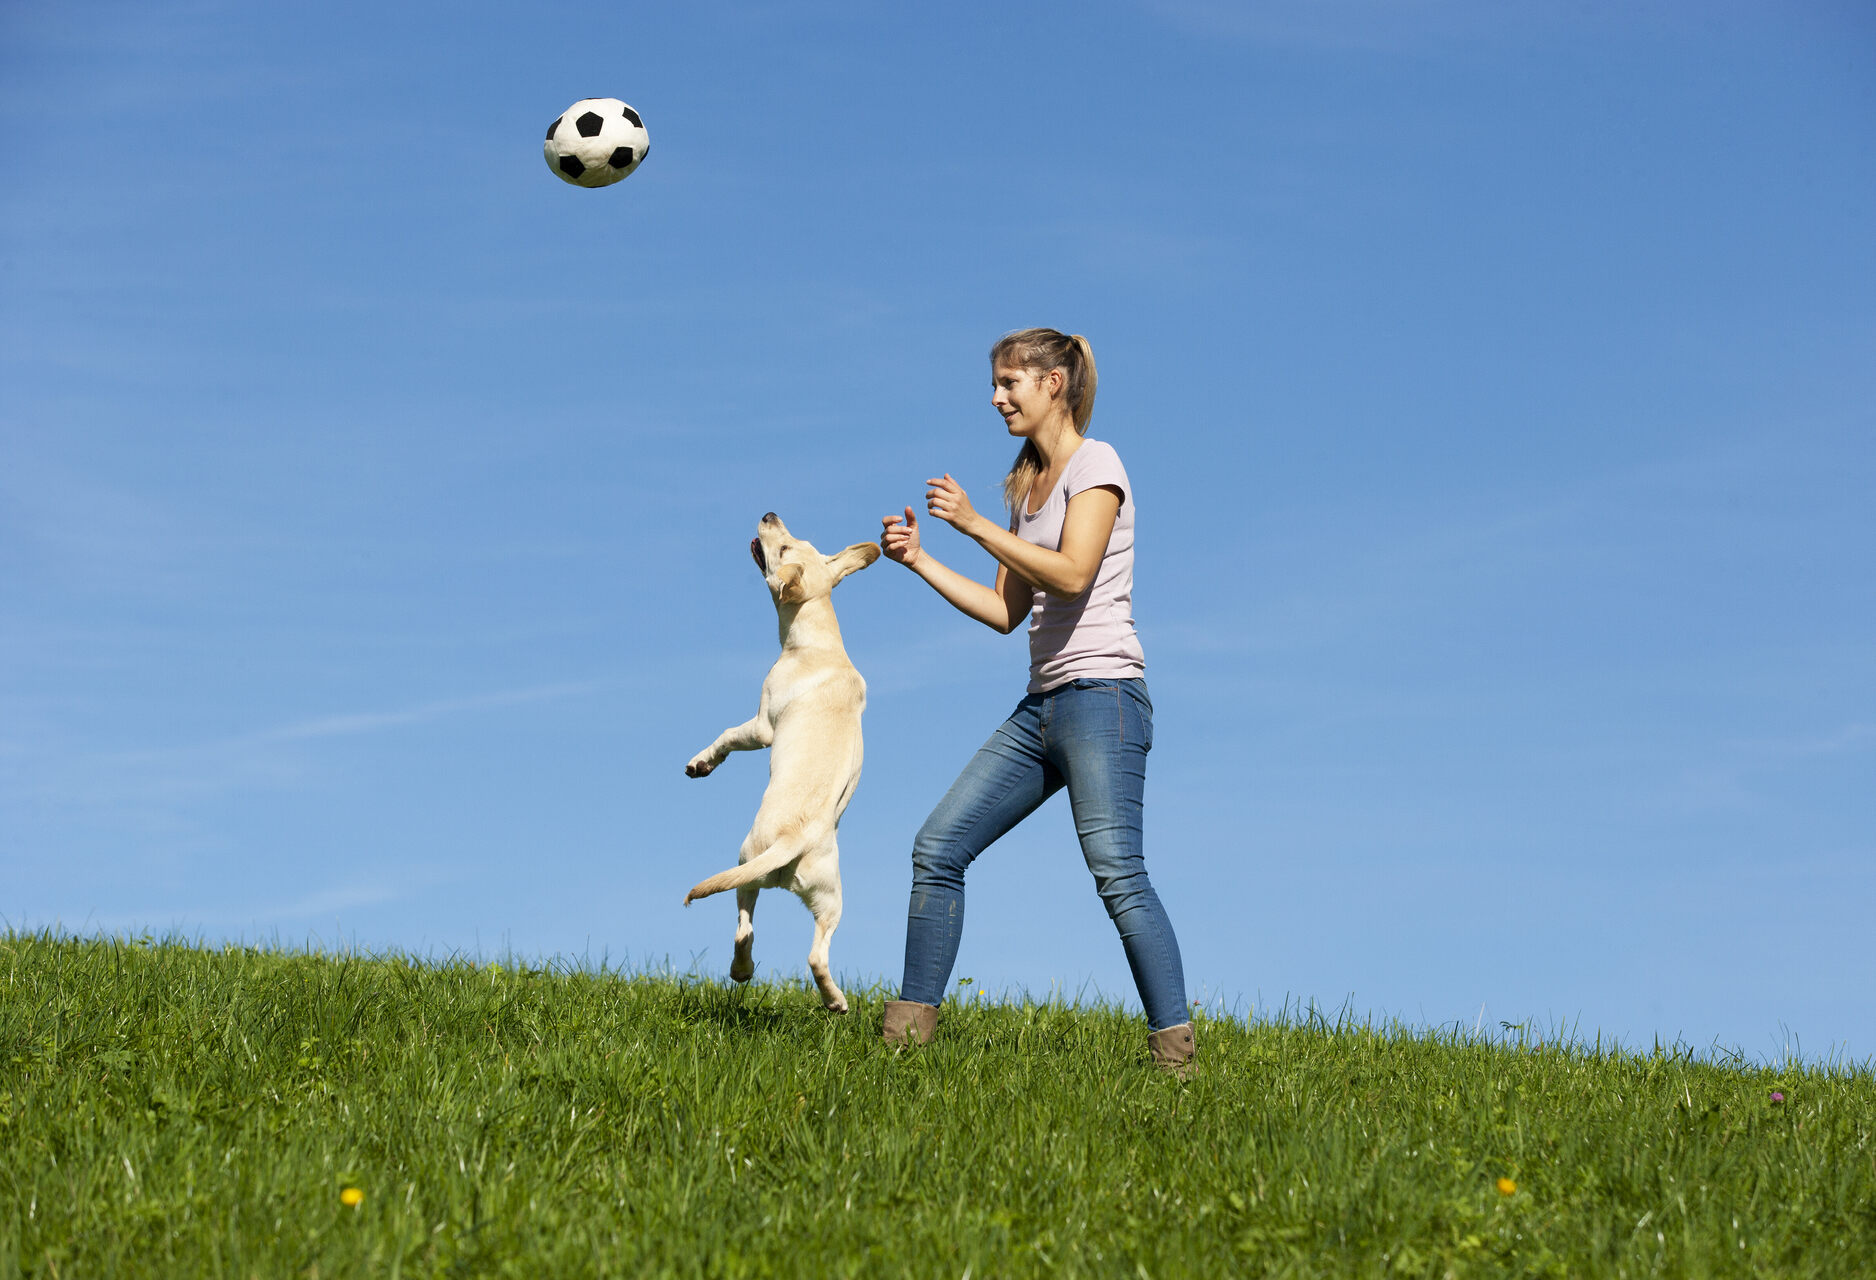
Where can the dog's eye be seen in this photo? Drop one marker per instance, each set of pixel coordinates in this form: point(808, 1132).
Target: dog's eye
point(784, 551)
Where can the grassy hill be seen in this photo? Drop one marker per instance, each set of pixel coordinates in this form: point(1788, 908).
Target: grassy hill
point(170, 1110)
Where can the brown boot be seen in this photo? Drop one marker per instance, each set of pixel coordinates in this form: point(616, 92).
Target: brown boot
point(1173, 1049)
point(909, 1022)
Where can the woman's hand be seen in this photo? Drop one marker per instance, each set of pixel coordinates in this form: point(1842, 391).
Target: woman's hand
point(900, 539)
point(946, 499)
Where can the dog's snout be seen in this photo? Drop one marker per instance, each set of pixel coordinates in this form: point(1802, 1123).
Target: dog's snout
point(768, 517)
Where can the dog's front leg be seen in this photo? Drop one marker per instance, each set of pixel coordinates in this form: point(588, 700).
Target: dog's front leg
point(754, 734)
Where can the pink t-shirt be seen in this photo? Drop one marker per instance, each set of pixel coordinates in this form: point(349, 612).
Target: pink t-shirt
point(1090, 636)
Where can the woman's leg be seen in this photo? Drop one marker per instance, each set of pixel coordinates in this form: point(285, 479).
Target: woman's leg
point(1098, 734)
point(1002, 785)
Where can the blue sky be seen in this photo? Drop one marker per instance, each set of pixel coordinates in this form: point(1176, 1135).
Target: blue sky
point(1497, 383)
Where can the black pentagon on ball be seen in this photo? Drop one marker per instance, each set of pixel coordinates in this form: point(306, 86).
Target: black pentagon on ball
point(621, 158)
point(590, 124)
point(555, 125)
point(571, 166)
point(632, 116)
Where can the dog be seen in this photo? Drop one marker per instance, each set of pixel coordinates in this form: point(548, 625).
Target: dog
point(809, 719)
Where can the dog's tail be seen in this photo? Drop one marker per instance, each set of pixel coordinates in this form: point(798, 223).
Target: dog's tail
point(773, 858)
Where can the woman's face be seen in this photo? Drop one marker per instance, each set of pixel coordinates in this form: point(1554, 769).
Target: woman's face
point(1024, 397)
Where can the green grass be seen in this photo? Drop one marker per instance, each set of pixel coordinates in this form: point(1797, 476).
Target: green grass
point(172, 1110)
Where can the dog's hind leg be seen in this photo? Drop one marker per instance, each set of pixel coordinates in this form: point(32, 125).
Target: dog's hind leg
point(743, 966)
point(824, 902)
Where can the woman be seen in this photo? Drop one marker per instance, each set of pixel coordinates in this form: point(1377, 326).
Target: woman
point(1065, 561)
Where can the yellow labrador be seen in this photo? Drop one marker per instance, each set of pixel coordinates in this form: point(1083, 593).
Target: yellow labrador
point(810, 721)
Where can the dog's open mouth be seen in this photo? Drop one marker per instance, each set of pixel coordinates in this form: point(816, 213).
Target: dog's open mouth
point(755, 550)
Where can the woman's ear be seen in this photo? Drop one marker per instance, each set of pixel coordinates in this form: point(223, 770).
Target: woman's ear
point(1055, 381)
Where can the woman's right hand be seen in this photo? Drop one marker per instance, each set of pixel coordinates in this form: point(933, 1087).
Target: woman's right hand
point(900, 539)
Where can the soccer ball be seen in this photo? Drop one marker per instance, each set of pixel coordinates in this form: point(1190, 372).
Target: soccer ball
point(595, 142)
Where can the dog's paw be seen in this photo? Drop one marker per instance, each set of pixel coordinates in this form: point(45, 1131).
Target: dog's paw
point(699, 767)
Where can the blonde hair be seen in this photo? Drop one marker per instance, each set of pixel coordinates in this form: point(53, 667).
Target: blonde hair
point(1038, 351)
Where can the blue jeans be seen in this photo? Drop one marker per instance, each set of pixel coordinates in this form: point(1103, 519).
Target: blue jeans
point(1091, 736)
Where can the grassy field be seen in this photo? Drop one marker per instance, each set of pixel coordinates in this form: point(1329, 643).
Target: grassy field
point(170, 1110)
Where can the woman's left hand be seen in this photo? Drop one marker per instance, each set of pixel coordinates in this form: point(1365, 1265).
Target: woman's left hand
point(946, 499)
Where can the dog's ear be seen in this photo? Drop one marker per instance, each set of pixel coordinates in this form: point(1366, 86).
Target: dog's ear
point(853, 559)
point(790, 590)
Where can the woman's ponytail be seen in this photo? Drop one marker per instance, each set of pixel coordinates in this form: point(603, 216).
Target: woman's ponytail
point(1081, 382)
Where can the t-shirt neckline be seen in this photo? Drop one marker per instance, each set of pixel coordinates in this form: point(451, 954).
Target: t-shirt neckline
point(1055, 488)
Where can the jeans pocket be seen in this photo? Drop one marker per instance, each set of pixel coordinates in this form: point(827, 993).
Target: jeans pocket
point(1134, 694)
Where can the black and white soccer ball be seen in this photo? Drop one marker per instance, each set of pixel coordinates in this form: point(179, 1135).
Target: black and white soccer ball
point(596, 142)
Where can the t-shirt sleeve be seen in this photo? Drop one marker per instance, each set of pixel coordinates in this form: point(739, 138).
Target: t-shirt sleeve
point(1093, 465)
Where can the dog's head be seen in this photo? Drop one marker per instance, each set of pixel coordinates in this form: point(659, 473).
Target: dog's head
point(794, 570)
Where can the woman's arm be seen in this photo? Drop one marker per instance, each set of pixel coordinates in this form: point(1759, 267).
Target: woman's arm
point(1086, 527)
point(1002, 607)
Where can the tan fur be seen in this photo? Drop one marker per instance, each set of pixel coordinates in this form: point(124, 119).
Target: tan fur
point(809, 719)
